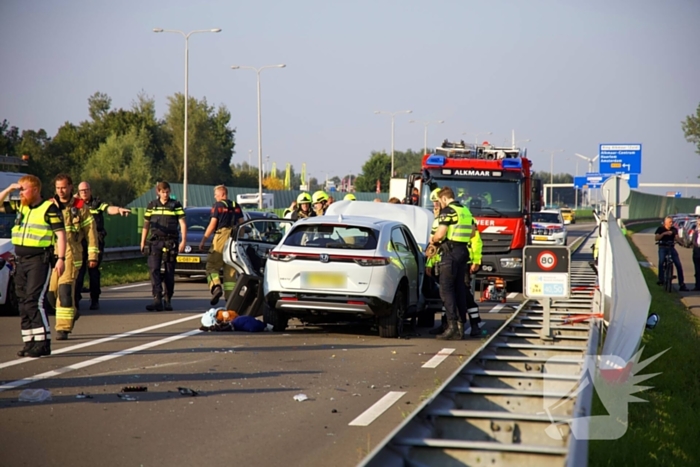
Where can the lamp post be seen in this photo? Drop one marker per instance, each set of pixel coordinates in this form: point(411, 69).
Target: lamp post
point(260, 176)
point(393, 114)
point(425, 133)
point(187, 55)
point(551, 168)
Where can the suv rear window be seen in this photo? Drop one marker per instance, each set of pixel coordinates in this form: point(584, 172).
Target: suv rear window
point(342, 237)
point(546, 217)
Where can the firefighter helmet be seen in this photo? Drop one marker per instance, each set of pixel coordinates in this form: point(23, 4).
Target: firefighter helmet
point(320, 197)
point(434, 195)
point(304, 198)
point(350, 197)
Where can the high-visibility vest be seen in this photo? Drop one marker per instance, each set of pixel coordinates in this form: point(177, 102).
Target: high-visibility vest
point(462, 231)
point(33, 230)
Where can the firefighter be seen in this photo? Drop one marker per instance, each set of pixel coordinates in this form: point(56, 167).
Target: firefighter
point(349, 197)
point(454, 232)
point(320, 202)
point(79, 225)
point(303, 209)
point(39, 239)
point(159, 244)
point(225, 214)
point(97, 208)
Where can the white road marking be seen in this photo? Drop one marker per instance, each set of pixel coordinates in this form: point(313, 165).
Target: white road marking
point(438, 358)
point(381, 406)
point(497, 308)
point(512, 294)
point(94, 361)
point(100, 341)
point(129, 286)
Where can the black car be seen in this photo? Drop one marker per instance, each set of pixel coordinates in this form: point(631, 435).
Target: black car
point(193, 261)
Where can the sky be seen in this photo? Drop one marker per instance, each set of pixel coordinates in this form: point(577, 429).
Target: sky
point(565, 74)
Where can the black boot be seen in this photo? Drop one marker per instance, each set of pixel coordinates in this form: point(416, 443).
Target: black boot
point(94, 304)
point(440, 328)
point(460, 327)
point(216, 293)
point(451, 333)
point(157, 304)
point(40, 349)
point(167, 304)
point(27, 345)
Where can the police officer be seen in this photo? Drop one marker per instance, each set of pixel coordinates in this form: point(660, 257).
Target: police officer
point(38, 237)
point(80, 226)
point(320, 202)
point(225, 215)
point(475, 252)
point(454, 232)
point(303, 209)
point(97, 208)
point(159, 243)
point(432, 262)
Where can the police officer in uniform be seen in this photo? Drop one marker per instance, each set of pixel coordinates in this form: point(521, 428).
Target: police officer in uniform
point(225, 215)
point(455, 231)
point(320, 202)
point(303, 209)
point(159, 243)
point(80, 226)
point(40, 247)
point(97, 208)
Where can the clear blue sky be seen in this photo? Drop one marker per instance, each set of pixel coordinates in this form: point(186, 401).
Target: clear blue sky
point(565, 74)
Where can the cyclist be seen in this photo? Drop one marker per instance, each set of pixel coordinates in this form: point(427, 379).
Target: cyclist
point(666, 237)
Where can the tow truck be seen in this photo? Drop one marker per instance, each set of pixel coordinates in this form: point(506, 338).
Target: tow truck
point(496, 184)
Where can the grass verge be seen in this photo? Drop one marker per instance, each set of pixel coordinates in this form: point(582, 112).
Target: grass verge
point(123, 272)
point(664, 430)
point(635, 228)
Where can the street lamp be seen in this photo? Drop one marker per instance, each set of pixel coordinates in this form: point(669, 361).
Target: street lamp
point(476, 135)
point(393, 114)
point(187, 54)
point(551, 168)
point(257, 71)
point(425, 134)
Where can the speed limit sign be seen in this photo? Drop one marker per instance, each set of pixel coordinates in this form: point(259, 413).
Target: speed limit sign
point(547, 260)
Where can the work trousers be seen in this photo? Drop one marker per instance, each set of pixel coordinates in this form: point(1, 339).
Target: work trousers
point(452, 272)
point(61, 289)
point(162, 251)
point(472, 306)
point(215, 261)
point(93, 274)
point(696, 263)
point(663, 251)
point(32, 282)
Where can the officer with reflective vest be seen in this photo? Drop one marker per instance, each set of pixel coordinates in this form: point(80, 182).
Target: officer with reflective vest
point(159, 244)
point(454, 233)
point(320, 202)
point(225, 215)
point(97, 208)
point(39, 239)
point(80, 226)
point(303, 209)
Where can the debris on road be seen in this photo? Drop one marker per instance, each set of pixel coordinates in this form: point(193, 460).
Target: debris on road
point(34, 395)
point(126, 397)
point(82, 395)
point(301, 397)
point(187, 392)
point(134, 389)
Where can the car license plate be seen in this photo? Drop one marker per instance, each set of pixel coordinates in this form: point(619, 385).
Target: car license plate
point(187, 259)
point(323, 280)
point(541, 238)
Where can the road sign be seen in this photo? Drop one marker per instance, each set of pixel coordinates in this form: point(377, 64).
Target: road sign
point(546, 270)
point(620, 158)
point(677, 194)
point(579, 182)
point(595, 180)
point(631, 179)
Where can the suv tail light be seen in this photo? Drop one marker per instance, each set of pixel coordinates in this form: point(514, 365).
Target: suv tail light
point(277, 256)
point(371, 261)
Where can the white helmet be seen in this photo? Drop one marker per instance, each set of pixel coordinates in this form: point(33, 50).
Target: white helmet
point(209, 317)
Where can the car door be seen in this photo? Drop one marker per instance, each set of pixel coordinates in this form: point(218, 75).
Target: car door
point(420, 259)
point(408, 261)
point(249, 246)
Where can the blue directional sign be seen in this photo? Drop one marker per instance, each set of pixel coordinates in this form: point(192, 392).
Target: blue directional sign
point(579, 182)
point(595, 180)
point(620, 158)
point(677, 195)
point(632, 180)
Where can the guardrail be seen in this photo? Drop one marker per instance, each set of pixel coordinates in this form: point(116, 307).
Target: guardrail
point(120, 253)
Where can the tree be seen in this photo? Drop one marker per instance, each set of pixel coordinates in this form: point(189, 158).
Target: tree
point(9, 139)
point(408, 162)
point(691, 129)
point(270, 183)
point(378, 167)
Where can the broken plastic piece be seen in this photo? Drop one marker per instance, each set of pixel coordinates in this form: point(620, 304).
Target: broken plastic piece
point(300, 397)
point(126, 397)
point(82, 395)
point(187, 392)
point(34, 395)
point(134, 389)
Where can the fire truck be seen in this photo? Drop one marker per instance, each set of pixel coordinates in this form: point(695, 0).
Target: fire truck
point(495, 184)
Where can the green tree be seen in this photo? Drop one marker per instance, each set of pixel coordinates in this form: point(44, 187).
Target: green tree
point(691, 129)
point(378, 167)
point(407, 162)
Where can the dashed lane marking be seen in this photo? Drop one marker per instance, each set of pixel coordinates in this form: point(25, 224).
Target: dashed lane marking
point(497, 308)
point(512, 294)
point(381, 406)
point(438, 358)
point(129, 286)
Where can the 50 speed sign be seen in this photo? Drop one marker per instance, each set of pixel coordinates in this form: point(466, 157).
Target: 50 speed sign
point(547, 260)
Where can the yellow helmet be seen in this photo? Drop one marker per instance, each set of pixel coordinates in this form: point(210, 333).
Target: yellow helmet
point(320, 196)
point(350, 197)
point(304, 198)
point(434, 195)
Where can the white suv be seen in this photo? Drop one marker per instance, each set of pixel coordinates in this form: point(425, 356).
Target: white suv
point(339, 267)
point(548, 228)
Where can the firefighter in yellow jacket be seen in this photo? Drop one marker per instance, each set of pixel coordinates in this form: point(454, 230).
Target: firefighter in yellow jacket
point(79, 225)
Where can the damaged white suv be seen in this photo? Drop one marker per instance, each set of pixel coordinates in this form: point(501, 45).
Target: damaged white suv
point(362, 260)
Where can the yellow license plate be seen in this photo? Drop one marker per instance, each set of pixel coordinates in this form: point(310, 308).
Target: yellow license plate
point(541, 238)
point(311, 280)
point(188, 259)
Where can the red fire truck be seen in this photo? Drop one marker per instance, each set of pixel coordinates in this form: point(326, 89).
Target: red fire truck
point(495, 184)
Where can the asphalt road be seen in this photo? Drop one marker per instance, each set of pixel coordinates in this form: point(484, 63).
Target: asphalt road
point(358, 388)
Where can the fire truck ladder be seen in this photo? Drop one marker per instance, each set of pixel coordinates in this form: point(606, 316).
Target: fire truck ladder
point(512, 402)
